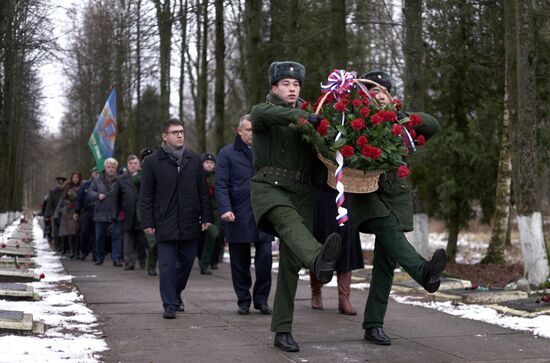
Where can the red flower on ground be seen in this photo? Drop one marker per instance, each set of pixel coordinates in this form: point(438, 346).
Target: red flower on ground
point(362, 140)
point(304, 105)
point(403, 171)
point(340, 106)
point(358, 124)
point(397, 129)
point(323, 127)
point(364, 111)
point(421, 140)
point(346, 151)
point(357, 103)
point(416, 119)
point(42, 275)
point(371, 152)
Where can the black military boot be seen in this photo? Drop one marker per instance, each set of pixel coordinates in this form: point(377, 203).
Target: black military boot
point(326, 260)
point(433, 270)
point(377, 336)
point(285, 341)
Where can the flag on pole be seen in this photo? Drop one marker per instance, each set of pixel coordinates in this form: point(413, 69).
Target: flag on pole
point(102, 140)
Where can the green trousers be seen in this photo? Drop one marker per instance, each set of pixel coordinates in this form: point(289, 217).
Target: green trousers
point(390, 248)
point(297, 248)
point(152, 256)
point(208, 246)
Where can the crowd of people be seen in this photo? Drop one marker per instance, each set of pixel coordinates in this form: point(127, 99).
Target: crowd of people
point(171, 206)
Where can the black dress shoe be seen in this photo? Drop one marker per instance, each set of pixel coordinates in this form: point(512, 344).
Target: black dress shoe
point(433, 270)
point(243, 310)
point(377, 336)
point(129, 267)
point(151, 272)
point(117, 263)
point(264, 309)
point(285, 341)
point(180, 308)
point(326, 260)
point(169, 314)
point(206, 271)
point(99, 262)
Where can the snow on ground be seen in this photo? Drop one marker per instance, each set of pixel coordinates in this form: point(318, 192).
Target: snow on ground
point(72, 331)
point(539, 326)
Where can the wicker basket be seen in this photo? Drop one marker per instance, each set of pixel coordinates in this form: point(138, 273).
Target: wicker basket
point(354, 180)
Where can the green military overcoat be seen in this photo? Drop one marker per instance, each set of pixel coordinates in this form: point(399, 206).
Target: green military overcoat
point(276, 144)
point(393, 196)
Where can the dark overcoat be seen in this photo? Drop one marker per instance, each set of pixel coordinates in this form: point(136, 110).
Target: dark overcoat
point(127, 190)
point(104, 210)
point(174, 196)
point(234, 169)
point(393, 196)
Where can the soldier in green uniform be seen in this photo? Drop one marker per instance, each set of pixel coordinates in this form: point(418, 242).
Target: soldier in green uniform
point(210, 236)
point(388, 213)
point(282, 192)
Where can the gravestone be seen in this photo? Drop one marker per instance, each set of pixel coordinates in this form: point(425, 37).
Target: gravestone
point(11, 291)
point(11, 262)
point(18, 275)
point(19, 322)
point(527, 308)
point(483, 296)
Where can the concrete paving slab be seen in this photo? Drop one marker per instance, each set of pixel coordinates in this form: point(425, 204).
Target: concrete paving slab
point(19, 322)
point(523, 307)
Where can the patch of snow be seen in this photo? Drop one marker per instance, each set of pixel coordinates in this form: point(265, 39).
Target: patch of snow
point(539, 326)
point(72, 331)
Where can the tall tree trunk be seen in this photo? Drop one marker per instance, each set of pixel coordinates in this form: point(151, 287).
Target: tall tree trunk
point(501, 216)
point(414, 100)
point(253, 78)
point(164, 22)
point(137, 116)
point(219, 93)
point(524, 158)
point(183, 24)
point(202, 90)
point(337, 41)
point(453, 227)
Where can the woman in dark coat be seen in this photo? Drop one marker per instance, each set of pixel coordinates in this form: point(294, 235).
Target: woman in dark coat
point(66, 207)
point(351, 258)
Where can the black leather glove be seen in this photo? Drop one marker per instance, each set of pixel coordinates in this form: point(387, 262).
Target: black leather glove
point(314, 119)
point(401, 115)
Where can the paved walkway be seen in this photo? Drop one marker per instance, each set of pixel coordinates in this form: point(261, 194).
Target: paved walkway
point(127, 304)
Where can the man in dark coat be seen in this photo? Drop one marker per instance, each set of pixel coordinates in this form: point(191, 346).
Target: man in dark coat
point(388, 213)
point(53, 198)
point(152, 255)
point(234, 171)
point(84, 213)
point(175, 208)
point(127, 190)
point(282, 192)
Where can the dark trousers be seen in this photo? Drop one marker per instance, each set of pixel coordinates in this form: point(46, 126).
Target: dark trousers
point(134, 246)
point(101, 229)
point(239, 254)
point(152, 255)
point(390, 247)
point(87, 233)
point(175, 259)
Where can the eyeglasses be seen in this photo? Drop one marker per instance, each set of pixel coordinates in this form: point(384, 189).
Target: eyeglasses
point(175, 132)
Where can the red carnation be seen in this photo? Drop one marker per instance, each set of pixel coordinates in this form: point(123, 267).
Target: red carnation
point(416, 119)
point(330, 98)
point(323, 127)
point(390, 116)
point(357, 103)
point(377, 119)
point(421, 140)
point(340, 106)
point(371, 152)
point(42, 275)
point(396, 103)
point(304, 105)
point(366, 101)
point(365, 111)
point(403, 171)
point(362, 141)
point(358, 124)
point(362, 93)
point(397, 129)
point(346, 151)
point(409, 125)
point(413, 133)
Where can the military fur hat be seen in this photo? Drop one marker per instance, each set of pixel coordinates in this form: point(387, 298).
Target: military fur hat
point(60, 178)
point(208, 156)
point(286, 69)
point(382, 78)
point(145, 152)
